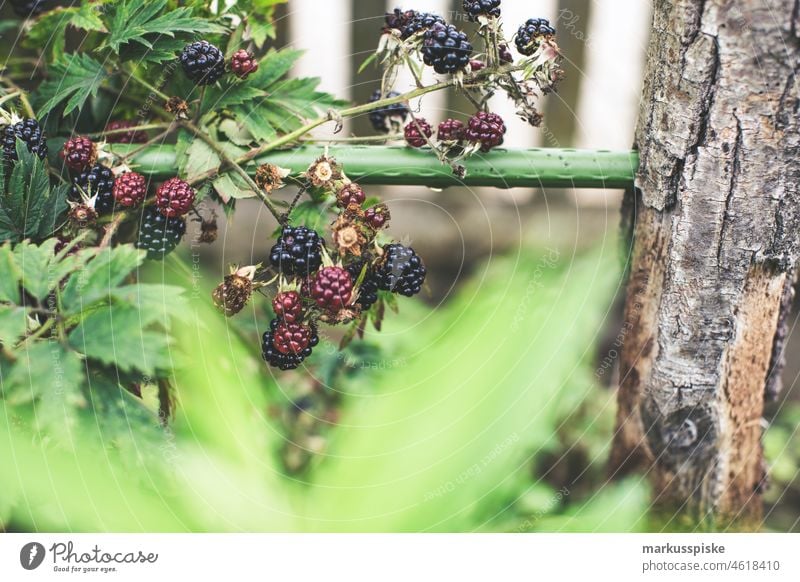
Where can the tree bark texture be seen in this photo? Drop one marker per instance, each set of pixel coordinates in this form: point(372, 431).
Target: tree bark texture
point(716, 218)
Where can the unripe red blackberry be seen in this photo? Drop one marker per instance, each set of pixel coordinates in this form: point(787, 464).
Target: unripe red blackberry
point(451, 130)
point(174, 198)
point(278, 359)
point(475, 65)
point(288, 306)
point(486, 129)
point(132, 136)
point(130, 189)
point(350, 194)
point(232, 294)
point(377, 216)
point(79, 153)
point(332, 288)
point(243, 63)
point(414, 137)
point(505, 54)
point(291, 338)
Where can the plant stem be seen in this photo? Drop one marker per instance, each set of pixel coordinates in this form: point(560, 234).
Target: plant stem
point(129, 129)
point(9, 97)
point(234, 165)
point(26, 105)
point(111, 229)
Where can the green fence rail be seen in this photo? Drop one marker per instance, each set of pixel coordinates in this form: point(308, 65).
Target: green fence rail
point(395, 165)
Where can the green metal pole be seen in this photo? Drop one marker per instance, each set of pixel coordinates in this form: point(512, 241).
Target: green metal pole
point(394, 165)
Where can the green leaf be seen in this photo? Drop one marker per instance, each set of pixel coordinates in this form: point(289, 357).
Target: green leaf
point(229, 188)
point(117, 335)
point(10, 275)
point(100, 276)
point(72, 80)
point(13, 323)
point(87, 17)
point(168, 300)
point(199, 159)
point(53, 376)
point(133, 21)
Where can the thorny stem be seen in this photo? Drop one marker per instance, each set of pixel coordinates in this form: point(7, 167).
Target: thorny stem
point(123, 130)
point(359, 110)
point(235, 167)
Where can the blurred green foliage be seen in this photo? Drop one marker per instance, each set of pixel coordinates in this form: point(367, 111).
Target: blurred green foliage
point(458, 418)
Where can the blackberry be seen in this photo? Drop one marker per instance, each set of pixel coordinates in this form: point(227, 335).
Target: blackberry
point(451, 130)
point(446, 49)
point(79, 153)
point(288, 306)
point(414, 137)
point(377, 216)
point(28, 131)
point(297, 251)
point(350, 194)
point(486, 129)
point(291, 338)
point(401, 270)
point(174, 197)
point(202, 62)
point(243, 63)
point(159, 235)
point(398, 19)
point(96, 181)
point(368, 290)
point(332, 288)
point(421, 21)
point(132, 136)
point(530, 34)
point(130, 189)
point(277, 359)
point(505, 54)
point(390, 118)
point(28, 8)
point(232, 294)
point(475, 8)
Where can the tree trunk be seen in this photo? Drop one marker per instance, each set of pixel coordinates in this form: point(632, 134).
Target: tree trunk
point(715, 219)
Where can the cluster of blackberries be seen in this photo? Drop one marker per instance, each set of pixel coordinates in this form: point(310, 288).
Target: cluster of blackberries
point(530, 35)
point(483, 129)
point(29, 8)
point(204, 63)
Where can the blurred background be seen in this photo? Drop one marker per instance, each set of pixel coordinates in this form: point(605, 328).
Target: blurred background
point(489, 407)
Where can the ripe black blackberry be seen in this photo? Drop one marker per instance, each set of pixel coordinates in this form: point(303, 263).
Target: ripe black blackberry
point(97, 180)
point(475, 8)
point(368, 290)
point(446, 49)
point(530, 34)
point(417, 131)
point(398, 19)
point(29, 8)
point(297, 251)
point(28, 131)
point(202, 62)
point(390, 118)
point(159, 235)
point(288, 361)
point(400, 270)
point(486, 129)
point(421, 21)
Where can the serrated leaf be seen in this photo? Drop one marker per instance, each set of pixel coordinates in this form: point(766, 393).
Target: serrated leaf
point(13, 323)
point(200, 158)
point(87, 17)
point(133, 21)
point(118, 335)
point(99, 277)
point(168, 300)
point(72, 80)
point(53, 376)
point(228, 189)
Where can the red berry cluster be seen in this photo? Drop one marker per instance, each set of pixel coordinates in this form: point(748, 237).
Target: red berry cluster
point(484, 130)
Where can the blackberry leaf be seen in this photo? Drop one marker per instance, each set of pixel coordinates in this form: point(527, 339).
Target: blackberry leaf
point(72, 80)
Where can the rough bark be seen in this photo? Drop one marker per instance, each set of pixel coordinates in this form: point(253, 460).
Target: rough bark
point(715, 247)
